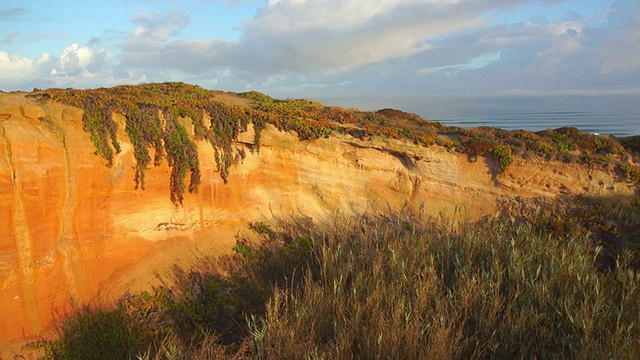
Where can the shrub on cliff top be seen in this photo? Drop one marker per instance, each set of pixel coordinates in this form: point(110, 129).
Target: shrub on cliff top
point(142, 107)
point(142, 104)
point(505, 157)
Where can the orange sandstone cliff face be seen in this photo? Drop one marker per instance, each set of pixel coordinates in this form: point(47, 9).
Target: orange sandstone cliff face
point(75, 234)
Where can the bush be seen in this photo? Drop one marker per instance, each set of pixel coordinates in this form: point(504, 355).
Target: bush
point(546, 149)
point(100, 335)
point(505, 157)
point(524, 284)
point(608, 145)
point(631, 172)
point(476, 146)
point(208, 303)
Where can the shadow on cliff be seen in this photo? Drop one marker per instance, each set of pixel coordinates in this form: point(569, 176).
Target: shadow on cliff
point(492, 164)
point(404, 158)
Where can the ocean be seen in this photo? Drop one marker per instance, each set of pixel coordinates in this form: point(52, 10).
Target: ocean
point(617, 115)
point(611, 114)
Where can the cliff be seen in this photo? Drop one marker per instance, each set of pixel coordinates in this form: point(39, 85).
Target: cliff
point(75, 233)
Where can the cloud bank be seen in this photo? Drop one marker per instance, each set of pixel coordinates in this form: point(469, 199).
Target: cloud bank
point(320, 48)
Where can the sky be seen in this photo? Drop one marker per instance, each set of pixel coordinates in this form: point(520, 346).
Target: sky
point(326, 49)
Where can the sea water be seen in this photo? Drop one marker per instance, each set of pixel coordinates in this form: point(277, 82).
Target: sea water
point(617, 115)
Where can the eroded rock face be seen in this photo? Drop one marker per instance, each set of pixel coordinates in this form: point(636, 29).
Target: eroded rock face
point(74, 233)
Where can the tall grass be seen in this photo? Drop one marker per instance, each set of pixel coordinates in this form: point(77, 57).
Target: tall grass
point(519, 285)
point(499, 289)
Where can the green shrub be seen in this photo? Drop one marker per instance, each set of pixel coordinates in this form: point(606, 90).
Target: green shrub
point(631, 172)
point(505, 157)
point(608, 145)
point(100, 335)
point(208, 303)
point(546, 149)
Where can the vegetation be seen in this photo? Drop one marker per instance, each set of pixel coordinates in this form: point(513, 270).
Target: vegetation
point(155, 114)
point(504, 155)
point(554, 278)
point(96, 335)
point(631, 172)
point(182, 155)
point(150, 113)
point(546, 279)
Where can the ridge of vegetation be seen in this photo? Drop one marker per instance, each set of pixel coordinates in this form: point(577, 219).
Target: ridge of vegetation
point(155, 113)
point(548, 278)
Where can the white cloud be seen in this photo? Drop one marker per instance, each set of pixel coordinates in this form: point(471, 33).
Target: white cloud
point(621, 51)
point(74, 58)
point(315, 47)
point(157, 28)
point(335, 35)
point(15, 67)
point(76, 65)
point(297, 37)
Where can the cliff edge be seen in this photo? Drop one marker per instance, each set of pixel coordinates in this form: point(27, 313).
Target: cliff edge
point(75, 233)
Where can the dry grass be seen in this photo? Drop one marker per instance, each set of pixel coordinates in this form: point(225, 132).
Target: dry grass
point(393, 289)
point(518, 286)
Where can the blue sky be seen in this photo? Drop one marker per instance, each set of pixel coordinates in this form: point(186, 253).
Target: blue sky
point(326, 48)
